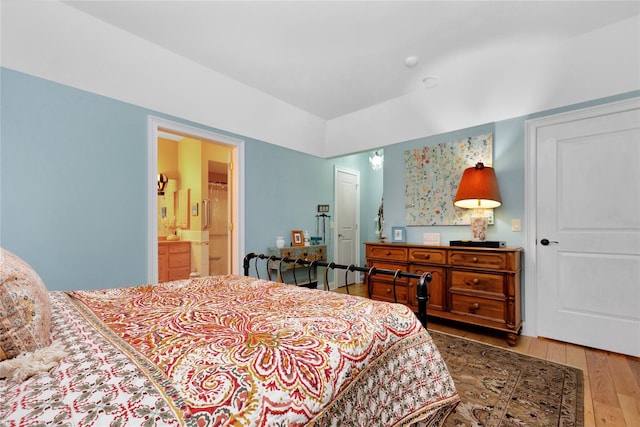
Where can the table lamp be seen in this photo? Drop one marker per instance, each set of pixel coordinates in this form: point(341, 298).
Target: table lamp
point(478, 190)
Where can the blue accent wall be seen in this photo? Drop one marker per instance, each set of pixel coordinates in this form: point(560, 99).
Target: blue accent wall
point(73, 184)
point(508, 154)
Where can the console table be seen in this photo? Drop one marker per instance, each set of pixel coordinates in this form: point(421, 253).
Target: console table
point(477, 286)
point(302, 273)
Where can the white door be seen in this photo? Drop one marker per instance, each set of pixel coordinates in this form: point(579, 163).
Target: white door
point(346, 223)
point(588, 228)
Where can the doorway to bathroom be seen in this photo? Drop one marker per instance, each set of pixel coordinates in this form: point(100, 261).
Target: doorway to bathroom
point(202, 198)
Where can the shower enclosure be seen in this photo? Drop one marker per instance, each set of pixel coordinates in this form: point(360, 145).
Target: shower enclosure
point(216, 218)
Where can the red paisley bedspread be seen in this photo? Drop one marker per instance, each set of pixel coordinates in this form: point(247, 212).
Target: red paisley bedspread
point(236, 351)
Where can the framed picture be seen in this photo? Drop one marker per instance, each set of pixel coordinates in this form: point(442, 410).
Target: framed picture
point(398, 235)
point(297, 238)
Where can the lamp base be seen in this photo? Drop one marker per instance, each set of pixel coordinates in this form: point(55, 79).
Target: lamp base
point(483, 244)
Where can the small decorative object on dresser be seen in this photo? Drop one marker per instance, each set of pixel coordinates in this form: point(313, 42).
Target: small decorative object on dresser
point(477, 286)
point(297, 238)
point(398, 234)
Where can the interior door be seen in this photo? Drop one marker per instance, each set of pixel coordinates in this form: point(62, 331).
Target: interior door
point(588, 229)
point(346, 223)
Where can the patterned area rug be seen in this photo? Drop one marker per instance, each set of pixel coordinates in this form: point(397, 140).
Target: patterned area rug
point(499, 387)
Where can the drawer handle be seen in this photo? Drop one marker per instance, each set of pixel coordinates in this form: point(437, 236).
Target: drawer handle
point(474, 259)
point(474, 307)
point(388, 253)
point(427, 256)
point(473, 282)
point(388, 290)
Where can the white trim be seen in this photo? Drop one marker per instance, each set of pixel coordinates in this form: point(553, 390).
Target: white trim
point(530, 326)
point(336, 170)
point(237, 235)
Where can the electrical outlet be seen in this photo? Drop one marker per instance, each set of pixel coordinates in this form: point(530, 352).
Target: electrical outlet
point(516, 225)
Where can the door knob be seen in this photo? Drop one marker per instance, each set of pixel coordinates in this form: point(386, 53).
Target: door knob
point(546, 242)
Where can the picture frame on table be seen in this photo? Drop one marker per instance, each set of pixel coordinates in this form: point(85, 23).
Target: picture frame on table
point(398, 235)
point(297, 238)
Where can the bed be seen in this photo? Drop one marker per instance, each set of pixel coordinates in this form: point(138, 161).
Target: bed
point(222, 350)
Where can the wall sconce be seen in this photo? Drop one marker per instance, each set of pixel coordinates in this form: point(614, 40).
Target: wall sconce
point(478, 190)
point(376, 160)
point(162, 183)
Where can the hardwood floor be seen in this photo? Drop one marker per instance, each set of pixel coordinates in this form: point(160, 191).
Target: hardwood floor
point(611, 380)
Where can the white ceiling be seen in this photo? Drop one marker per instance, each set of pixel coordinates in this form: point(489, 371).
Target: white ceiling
point(334, 58)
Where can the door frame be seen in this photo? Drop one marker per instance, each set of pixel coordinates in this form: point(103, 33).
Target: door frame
point(530, 325)
point(336, 170)
point(238, 218)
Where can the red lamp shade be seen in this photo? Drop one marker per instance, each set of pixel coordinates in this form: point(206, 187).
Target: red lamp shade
point(478, 189)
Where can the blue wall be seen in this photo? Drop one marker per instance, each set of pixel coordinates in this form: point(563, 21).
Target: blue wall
point(73, 184)
point(508, 154)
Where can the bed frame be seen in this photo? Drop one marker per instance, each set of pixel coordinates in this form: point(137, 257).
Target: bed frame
point(422, 290)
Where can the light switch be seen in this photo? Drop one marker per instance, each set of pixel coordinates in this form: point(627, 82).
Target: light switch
point(516, 225)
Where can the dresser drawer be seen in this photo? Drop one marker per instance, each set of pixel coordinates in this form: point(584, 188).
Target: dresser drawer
point(432, 256)
point(485, 308)
point(180, 260)
point(290, 253)
point(492, 260)
point(319, 254)
point(179, 273)
point(162, 249)
point(476, 281)
point(303, 253)
point(179, 248)
point(436, 287)
point(383, 291)
point(393, 266)
point(298, 253)
point(387, 252)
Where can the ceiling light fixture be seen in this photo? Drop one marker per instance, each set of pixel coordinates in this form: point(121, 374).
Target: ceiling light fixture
point(376, 160)
point(430, 81)
point(411, 61)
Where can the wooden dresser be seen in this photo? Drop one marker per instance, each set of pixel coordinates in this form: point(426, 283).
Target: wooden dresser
point(478, 286)
point(174, 260)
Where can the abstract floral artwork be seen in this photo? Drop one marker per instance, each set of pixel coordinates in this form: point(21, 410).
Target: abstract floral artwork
point(432, 175)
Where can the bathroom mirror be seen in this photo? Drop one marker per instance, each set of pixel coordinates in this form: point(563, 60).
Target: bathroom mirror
point(182, 206)
point(166, 209)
